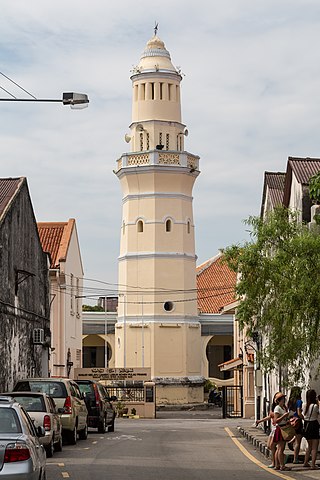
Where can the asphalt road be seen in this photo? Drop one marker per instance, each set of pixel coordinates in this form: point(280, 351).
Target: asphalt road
point(173, 447)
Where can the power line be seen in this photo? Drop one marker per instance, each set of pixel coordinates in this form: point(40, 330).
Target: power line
point(19, 86)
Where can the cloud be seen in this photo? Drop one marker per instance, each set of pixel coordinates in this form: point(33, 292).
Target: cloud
point(248, 99)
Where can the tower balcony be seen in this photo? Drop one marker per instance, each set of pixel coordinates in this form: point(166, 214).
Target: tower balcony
point(160, 158)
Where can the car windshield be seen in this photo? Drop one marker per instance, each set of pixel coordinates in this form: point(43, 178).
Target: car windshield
point(9, 422)
point(54, 389)
point(86, 388)
point(30, 403)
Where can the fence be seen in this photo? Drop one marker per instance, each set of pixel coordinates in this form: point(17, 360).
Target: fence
point(232, 401)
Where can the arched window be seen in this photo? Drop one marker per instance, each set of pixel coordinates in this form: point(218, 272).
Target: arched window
point(140, 226)
point(188, 226)
point(168, 225)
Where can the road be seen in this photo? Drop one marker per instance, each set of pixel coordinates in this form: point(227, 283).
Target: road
point(169, 448)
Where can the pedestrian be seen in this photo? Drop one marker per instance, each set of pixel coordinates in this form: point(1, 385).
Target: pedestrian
point(296, 420)
point(270, 443)
point(280, 419)
point(311, 429)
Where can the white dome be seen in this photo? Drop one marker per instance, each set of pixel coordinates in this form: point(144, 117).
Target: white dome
point(155, 57)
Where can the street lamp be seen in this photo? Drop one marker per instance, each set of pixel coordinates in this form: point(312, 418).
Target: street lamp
point(75, 100)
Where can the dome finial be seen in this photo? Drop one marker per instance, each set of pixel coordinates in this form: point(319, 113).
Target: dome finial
point(156, 26)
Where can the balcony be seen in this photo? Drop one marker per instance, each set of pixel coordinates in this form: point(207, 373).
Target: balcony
point(159, 157)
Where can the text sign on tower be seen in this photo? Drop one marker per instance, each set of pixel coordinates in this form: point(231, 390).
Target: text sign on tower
point(135, 374)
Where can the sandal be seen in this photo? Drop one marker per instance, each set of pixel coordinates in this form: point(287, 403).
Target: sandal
point(271, 466)
point(283, 468)
point(306, 465)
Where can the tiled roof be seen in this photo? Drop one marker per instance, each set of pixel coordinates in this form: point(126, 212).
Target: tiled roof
point(215, 284)
point(304, 168)
point(274, 184)
point(55, 238)
point(8, 189)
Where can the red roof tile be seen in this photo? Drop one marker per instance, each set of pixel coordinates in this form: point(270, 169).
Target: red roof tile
point(55, 239)
point(215, 284)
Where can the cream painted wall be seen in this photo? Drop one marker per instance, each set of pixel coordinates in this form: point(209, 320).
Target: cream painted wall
point(66, 310)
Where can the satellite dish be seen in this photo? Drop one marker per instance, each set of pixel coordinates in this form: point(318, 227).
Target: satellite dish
point(127, 138)
point(186, 132)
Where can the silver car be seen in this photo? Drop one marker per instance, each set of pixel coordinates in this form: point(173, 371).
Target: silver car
point(43, 412)
point(22, 457)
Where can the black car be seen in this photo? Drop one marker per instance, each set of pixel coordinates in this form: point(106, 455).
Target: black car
point(101, 413)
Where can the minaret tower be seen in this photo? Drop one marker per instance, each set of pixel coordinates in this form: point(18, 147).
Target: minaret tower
point(157, 323)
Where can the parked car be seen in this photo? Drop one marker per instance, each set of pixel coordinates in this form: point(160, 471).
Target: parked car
point(66, 395)
point(43, 412)
point(101, 414)
point(21, 453)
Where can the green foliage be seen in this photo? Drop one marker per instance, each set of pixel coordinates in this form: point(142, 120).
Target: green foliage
point(279, 290)
point(314, 188)
point(208, 385)
point(92, 308)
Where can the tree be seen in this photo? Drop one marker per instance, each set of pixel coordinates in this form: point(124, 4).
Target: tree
point(92, 308)
point(279, 291)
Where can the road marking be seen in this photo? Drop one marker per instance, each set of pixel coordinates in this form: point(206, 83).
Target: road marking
point(94, 442)
point(253, 459)
point(65, 474)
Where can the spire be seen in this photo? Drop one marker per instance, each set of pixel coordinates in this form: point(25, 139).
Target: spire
point(155, 56)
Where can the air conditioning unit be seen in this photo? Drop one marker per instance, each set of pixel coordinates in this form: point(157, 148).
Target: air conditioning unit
point(38, 336)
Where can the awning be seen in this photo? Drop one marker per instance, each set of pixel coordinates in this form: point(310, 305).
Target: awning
point(230, 364)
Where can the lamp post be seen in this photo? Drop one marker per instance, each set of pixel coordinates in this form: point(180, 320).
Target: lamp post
point(75, 100)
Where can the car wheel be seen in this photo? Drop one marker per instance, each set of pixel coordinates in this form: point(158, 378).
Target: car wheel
point(111, 427)
point(72, 436)
point(102, 427)
point(83, 434)
point(50, 449)
point(58, 445)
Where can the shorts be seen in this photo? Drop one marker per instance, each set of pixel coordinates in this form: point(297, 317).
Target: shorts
point(311, 430)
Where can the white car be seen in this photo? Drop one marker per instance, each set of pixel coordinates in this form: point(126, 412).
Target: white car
point(21, 453)
point(42, 410)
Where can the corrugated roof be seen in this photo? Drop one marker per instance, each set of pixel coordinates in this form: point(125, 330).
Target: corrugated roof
point(304, 168)
point(8, 189)
point(55, 238)
point(274, 184)
point(215, 284)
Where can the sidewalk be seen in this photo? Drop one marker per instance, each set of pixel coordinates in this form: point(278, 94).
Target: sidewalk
point(258, 438)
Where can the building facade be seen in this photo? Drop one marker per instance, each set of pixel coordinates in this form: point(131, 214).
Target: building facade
point(60, 241)
point(24, 288)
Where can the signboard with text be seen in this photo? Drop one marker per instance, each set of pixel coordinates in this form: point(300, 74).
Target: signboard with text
point(133, 374)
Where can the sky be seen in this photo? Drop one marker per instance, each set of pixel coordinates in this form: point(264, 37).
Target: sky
point(250, 98)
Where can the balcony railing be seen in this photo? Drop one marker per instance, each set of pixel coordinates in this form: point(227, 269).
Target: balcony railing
point(159, 157)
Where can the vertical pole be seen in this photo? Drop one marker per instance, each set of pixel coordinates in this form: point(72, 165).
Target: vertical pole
point(105, 334)
point(142, 335)
point(124, 333)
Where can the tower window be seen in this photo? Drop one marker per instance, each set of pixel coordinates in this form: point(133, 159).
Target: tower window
point(141, 141)
point(143, 91)
point(161, 90)
point(167, 141)
point(168, 306)
point(148, 141)
point(135, 93)
point(170, 91)
point(177, 142)
point(140, 226)
point(188, 226)
point(177, 93)
point(152, 90)
point(168, 225)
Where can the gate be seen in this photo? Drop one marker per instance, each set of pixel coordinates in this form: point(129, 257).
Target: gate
point(232, 401)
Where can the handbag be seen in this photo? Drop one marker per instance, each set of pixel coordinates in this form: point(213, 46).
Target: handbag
point(295, 422)
point(287, 432)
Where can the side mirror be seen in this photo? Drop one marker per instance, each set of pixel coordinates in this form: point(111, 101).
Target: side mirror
point(61, 410)
point(40, 431)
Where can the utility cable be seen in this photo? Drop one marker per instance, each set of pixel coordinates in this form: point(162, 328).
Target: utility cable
point(15, 83)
